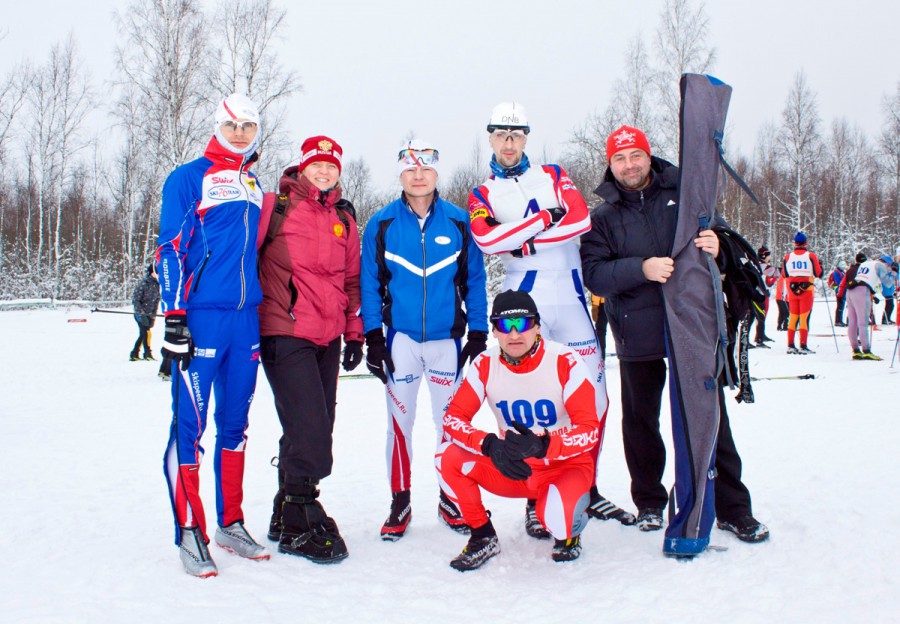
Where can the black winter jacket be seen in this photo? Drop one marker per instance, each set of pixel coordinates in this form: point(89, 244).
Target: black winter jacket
point(626, 228)
point(145, 298)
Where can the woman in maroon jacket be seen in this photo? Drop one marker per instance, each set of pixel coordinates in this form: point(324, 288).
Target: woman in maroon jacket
point(309, 271)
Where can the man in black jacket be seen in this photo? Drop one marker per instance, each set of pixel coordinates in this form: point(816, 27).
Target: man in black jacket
point(626, 258)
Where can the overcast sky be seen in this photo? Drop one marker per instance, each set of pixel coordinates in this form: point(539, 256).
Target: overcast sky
point(374, 70)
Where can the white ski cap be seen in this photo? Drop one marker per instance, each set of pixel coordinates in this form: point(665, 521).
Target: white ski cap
point(417, 153)
point(509, 115)
point(237, 106)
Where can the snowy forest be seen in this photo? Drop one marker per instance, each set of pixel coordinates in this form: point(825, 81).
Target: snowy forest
point(78, 220)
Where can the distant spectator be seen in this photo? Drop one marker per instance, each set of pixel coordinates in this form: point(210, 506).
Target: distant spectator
point(782, 298)
point(145, 300)
point(834, 282)
point(888, 288)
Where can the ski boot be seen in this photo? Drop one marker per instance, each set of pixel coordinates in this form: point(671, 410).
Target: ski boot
point(482, 545)
point(235, 539)
point(533, 525)
point(397, 521)
point(450, 515)
point(566, 549)
point(194, 554)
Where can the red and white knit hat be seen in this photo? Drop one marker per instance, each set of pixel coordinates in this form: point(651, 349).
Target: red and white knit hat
point(626, 137)
point(320, 148)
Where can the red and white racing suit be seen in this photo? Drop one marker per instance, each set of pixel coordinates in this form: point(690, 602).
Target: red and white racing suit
point(549, 390)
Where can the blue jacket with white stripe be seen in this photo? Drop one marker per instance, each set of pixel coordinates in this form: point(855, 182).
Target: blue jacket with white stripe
point(426, 282)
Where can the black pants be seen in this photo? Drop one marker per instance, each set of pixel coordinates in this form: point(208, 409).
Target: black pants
point(839, 310)
point(144, 324)
point(303, 377)
point(888, 310)
point(645, 452)
point(784, 313)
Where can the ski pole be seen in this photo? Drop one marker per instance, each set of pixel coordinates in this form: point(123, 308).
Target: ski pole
point(896, 342)
point(830, 320)
point(121, 312)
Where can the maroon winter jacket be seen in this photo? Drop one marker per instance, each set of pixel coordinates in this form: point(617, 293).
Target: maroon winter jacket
point(310, 271)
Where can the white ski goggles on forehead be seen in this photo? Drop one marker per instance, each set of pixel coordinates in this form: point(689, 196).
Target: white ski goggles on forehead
point(418, 158)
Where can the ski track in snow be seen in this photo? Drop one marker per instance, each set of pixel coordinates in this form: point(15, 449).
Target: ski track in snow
point(89, 533)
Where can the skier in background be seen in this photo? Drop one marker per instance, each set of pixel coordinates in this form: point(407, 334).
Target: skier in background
point(834, 282)
point(860, 284)
point(782, 300)
point(801, 267)
point(145, 300)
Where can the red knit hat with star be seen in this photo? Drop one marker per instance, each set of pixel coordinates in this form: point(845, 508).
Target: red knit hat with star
point(626, 137)
point(320, 148)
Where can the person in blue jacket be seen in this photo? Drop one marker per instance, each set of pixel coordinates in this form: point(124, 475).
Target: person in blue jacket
point(888, 288)
point(206, 261)
point(423, 283)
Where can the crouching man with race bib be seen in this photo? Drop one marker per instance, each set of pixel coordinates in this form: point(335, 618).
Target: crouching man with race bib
point(542, 395)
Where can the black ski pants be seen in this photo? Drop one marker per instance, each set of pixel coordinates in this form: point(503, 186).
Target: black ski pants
point(600, 326)
point(784, 312)
point(303, 377)
point(645, 452)
point(839, 310)
point(144, 323)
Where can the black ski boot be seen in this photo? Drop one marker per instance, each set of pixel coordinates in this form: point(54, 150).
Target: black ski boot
point(306, 530)
point(398, 519)
point(275, 523)
point(483, 544)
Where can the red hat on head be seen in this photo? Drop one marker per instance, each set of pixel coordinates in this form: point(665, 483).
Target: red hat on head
point(320, 148)
point(626, 137)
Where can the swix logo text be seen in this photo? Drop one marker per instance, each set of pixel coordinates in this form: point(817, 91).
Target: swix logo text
point(220, 180)
point(441, 382)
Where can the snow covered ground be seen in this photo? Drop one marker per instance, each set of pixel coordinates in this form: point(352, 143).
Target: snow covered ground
point(87, 531)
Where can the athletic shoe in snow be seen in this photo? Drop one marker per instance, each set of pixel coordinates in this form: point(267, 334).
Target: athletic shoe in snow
point(767, 339)
point(792, 350)
point(397, 521)
point(450, 515)
point(164, 376)
point(762, 345)
point(133, 357)
point(476, 553)
point(746, 528)
point(234, 538)
point(602, 509)
point(804, 350)
point(533, 526)
point(149, 356)
point(868, 355)
point(194, 554)
point(650, 519)
point(857, 355)
point(567, 549)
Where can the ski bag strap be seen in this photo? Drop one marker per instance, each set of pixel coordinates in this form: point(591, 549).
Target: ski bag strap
point(718, 137)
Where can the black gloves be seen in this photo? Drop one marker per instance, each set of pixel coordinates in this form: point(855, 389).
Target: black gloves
point(177, 344)
point(353, 355)
point(556, 215)
point(476, 342)
point(377, 355)
point(526, 443)
point(509, 466)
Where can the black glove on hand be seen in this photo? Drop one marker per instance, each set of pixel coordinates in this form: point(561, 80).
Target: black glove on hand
point(377, 355)
point(556, 215)
point(476, 342)
point(177, 344)
point(526, 443)
point(509, 466)
point(353, 355)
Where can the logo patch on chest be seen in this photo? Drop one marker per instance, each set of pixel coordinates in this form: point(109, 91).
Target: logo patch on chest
point(223, 192)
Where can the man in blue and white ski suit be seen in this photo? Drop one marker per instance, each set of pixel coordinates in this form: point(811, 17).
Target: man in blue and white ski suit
point(423, 280)
point(206, 261)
